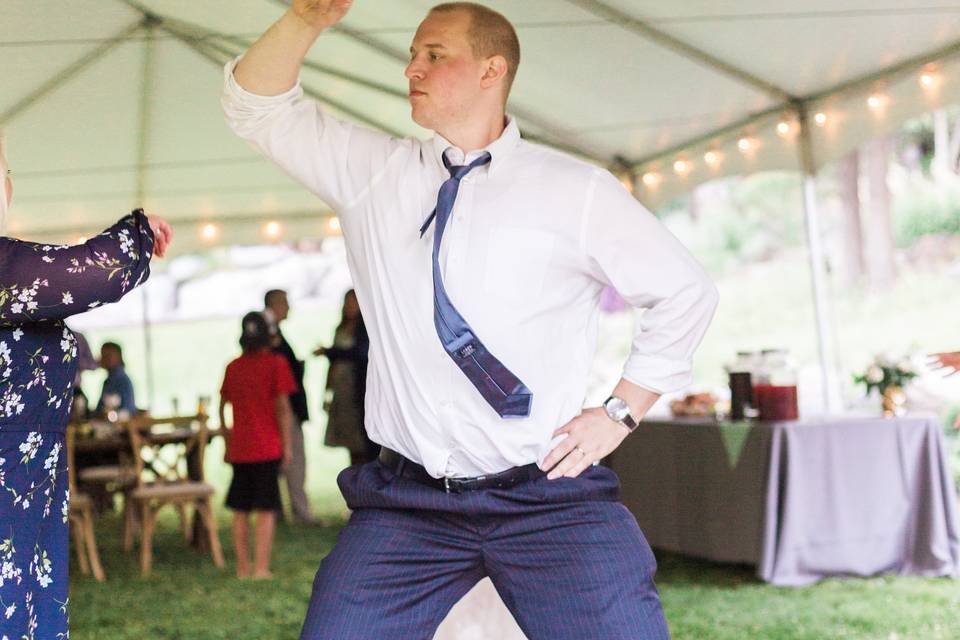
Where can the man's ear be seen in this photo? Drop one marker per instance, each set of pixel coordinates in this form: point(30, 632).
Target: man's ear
point(495, 70)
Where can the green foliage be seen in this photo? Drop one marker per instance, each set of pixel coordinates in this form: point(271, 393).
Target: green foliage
point(926, 208)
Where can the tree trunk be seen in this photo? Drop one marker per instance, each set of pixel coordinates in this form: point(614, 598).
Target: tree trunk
point(877, 220)
point(851, 230)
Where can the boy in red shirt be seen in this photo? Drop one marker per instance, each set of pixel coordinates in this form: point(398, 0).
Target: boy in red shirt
point(257, 385)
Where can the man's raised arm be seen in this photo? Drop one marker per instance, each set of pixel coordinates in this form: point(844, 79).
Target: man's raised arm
point(272, 64)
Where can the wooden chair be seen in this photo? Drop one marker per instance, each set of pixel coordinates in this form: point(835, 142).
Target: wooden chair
point(169, 470)
point(80, 516)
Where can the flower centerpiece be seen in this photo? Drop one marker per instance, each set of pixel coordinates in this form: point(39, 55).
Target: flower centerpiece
point(889, 376)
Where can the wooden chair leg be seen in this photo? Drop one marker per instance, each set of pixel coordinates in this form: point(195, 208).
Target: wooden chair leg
point(206, 512)
point(184, 522)
point(146, 538)
point(76, 527)
point(129, 523)
point(92, 547)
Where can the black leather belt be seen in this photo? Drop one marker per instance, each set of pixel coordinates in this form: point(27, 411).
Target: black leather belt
point(406, 468)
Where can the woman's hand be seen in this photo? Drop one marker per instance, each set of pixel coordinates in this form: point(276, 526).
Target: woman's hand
point(162, 235)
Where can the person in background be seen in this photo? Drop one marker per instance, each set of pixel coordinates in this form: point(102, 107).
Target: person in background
point(257, 386)
point(347, 383)
point(949, 361)
point(276, 310)
point(117, 393)
point(80, 408)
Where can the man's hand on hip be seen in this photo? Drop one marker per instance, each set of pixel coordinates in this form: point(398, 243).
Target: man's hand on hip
point(591, 436)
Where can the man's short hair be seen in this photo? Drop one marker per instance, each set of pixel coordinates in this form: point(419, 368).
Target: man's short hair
point(490, 34)
point(270, 296)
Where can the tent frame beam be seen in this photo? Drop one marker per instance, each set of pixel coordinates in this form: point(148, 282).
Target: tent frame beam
point(644, 29)
point(806, 103)
point(197, 40)
point(65, 74)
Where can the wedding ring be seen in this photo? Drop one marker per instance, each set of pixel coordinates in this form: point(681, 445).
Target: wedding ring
point(582, 452)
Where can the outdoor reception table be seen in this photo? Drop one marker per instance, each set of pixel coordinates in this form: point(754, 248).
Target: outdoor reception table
point(800, 500)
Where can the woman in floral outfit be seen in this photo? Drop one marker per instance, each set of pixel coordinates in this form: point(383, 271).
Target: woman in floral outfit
point(40, 285)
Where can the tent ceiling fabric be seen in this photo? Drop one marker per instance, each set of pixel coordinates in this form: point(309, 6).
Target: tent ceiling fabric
point(589, 82)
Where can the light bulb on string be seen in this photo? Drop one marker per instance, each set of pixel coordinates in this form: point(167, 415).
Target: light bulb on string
point(820, 118)
point(651, 179)
point(712, 157)
point(272, 230)
point(877, 102)
point(682, 167)
point(209, 232)
point(930, 79)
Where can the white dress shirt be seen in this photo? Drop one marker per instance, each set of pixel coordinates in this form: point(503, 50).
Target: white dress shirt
point(532, 240)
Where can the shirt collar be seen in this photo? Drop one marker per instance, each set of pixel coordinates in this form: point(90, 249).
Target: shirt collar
point(499, 149)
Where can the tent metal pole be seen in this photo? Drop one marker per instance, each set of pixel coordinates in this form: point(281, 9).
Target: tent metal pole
point(64, 75)
point(815, 254)
point(143, 150)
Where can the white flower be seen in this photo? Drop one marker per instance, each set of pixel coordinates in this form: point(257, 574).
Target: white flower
point(874, 374)
point(67, 298)
point(47, 259)
point(9, 612)
point(16, 307)
point(17, 334)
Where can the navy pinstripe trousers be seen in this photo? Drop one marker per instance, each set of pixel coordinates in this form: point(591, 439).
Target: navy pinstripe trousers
point(565, 555)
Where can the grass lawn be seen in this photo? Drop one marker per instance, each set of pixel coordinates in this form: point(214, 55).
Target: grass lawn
point(187, 598)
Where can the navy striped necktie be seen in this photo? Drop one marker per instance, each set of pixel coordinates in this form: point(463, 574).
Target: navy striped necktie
point(508, 396)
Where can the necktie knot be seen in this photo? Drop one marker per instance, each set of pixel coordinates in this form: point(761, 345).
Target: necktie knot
point(458, 171)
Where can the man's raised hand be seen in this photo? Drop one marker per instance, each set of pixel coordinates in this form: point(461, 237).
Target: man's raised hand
point(321, 14)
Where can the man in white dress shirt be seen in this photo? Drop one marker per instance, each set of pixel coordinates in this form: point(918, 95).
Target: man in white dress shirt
point(478, 260)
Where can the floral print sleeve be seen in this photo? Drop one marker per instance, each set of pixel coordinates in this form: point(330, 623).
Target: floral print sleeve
point(51, 282)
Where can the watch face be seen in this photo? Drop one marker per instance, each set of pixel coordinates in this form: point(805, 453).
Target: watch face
point(616, 408)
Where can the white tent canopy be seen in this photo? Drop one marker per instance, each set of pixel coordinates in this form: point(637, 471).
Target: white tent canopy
point(112, 103)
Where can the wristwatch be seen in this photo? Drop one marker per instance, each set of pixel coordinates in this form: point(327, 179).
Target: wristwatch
point(619, 411)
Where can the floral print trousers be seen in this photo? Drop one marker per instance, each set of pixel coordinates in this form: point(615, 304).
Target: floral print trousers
point(34, 507)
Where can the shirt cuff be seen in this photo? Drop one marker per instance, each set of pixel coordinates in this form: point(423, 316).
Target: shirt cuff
point(237, 94)
point(657, 374)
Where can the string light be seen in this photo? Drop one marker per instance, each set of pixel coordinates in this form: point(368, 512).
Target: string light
point(745, 144)
point(820, 118)
point(876, 101)
point(272, 229)
point(209, 231)
point(333, 226)
point(783, 128)
point(712, 158)
point(651, 179)
point(682, 167)
point(930, 79)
